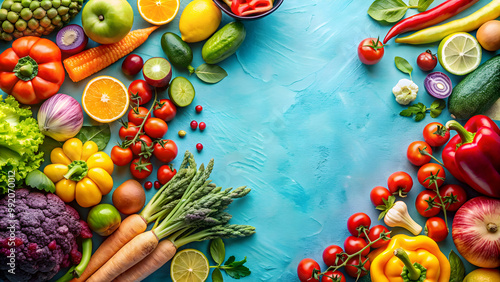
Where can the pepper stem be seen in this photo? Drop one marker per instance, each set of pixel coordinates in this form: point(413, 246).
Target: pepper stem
point(413, 272)
point(77, 170)
point(26, 70)
point(465, 136)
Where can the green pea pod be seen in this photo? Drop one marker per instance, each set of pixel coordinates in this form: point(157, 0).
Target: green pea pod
point(76, 271)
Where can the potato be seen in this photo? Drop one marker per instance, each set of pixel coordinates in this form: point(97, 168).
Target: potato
point(129, 197)
point(488, 35)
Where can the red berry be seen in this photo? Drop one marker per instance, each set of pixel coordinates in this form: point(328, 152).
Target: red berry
point(157, 184)
point(199, 147)
point(202, 126)
point(194, 125)
point(148, 185)
point(198, 108)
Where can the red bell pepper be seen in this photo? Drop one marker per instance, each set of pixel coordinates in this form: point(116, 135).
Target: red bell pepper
point(476, 154)
point(250, 7)
point(431, 17)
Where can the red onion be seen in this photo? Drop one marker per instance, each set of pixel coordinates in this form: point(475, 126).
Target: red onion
point(60, 117)
point(71, 39)
point(476, 231)
point(438, 85)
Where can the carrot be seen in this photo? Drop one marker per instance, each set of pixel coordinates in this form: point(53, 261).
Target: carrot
point(161, 255)
point(130, 227)
point(130, 254)
point(86, 63)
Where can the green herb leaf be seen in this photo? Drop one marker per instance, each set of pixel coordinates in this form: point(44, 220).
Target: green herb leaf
point(438, 104)
point(403, 65)
point(236, 269)
point(47, 146)
point(408, 112)
point(99, 134)
point(457, 268)
point(210, 73)
point(217, 250)
point(38, 180)
point(435, 113)
point(413, 3)
point(419, 116)
point(424, 4)
point(217, 276)
point(387, 11)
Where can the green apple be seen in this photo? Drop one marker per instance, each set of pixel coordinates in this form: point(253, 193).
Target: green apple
point(107, 21)
point(104, 219)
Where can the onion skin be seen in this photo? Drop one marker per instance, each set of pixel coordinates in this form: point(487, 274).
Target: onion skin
point(60, 117)
point(474, 232)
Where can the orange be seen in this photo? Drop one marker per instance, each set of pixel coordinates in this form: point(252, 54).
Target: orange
point(105, 99)
point(158, 12)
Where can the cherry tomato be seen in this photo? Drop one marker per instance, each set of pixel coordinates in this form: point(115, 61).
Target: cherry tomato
point(137, 146)
point(352, 270)
point(336, 275)
point(193, 125)
point(305, 270)
point(128, 131)
point(436, 229)
point(330, 255)
point(198, 109)
point(165, 173)
point(370, 51)
point(155, 127)
point(355, 222)
point(202, 126)
point(431, 174)
point(400, 183)
point(199, 147)
point(148, 185)
point(137, 115)
point(165, 151)
point(141, 168)
point(157, 185)
point(427, 61)
point(422, 203)
point(165, 110)
point(140, 92)
point(453, 195)
point(374, 234)
point(377, 194)
point(436, 134)
point(132, 65)
point(121, 156)
point(415, 157)
point(353, 245)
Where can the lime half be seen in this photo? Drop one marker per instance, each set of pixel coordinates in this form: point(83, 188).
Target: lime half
point(181, 92)
point(189, 265)
point(459, 53)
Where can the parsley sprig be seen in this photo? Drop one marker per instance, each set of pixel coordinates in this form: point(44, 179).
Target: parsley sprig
point(420, 110)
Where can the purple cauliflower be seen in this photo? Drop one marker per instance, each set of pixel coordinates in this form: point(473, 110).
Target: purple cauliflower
point(37, 236)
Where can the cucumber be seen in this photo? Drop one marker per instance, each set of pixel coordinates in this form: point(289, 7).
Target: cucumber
point(177, 51)
point(181, 92)
point(477, 92)
point(223, 43)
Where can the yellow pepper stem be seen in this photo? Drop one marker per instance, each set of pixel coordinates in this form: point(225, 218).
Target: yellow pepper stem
point(413, 272)
point(77, 170)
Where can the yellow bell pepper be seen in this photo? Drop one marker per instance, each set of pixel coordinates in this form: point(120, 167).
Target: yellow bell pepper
point(80, 172)
point(394, 264)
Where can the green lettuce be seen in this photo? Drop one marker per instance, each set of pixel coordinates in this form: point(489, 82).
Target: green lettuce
point(19, 142)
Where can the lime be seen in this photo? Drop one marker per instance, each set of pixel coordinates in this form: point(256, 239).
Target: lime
point(181, 92)
point(189, 265)
point(459, 53)
point(157, 72)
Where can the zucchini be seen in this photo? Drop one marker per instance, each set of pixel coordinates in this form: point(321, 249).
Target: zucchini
point(477, 92)
point(223, 43)
point(177, 51)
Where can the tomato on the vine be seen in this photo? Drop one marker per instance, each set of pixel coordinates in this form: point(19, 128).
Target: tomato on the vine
point(436, 134)
point(378, 194)
point(354, 265)
point(353, 245)
point(370, 51)
point(330, 255)
point(400, 183)
point(137, 115)
point(121, 156)
point(165, 110)
point(128, 131)
point(374, 234)
point(155, 127)
point(336, 275)
point(140, 92)
point(141, 168)
point(431, 174)
point(357, 223)
point(436, 229)
point(414, 154)
point(425, 199)
point(144, 141)
point(454, 196)
point(427, 61)
point(306, 268)
point(165, 150)
point(165, 174)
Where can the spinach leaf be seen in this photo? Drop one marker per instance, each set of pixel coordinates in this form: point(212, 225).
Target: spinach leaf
point(387, 11)
point(403, 65)
point(217, 250)
point(99, 134)
point(210, 73)
point(457, 268)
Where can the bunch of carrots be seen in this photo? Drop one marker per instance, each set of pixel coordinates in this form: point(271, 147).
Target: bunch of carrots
point(188, 208)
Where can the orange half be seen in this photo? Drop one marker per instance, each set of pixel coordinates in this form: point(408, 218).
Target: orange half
point(158, 12)
point(105, 99)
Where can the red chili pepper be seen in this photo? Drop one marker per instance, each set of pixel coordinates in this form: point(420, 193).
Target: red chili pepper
point(430, 17)
point(250, 7)
point(477, 154)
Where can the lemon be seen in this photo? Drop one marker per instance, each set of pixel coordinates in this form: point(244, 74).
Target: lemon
point(189, 265)
point(459, 53)
point(199, 20)
point(483, 275)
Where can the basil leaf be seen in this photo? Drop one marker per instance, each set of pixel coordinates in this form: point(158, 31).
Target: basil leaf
point(413, 3)
point(403, 65)
point(210, 73)
point(38, 180)
point(99, 134)
point(438, 104)
point(217, 250)
point(387, 11)
point(435, 113)
point(424, 4)
point(217, 276)
point(457, 268)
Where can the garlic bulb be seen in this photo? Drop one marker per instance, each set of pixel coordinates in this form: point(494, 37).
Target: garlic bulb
point(398, 216)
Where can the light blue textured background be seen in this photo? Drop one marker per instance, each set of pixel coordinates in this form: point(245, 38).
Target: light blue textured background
point(299, 120)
